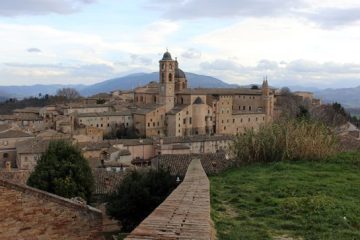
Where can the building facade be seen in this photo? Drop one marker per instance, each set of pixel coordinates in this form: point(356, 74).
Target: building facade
point(170, 108)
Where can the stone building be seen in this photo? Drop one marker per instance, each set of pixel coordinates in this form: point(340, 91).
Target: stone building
point(9, 137)
point(106, 121)
point(170, 108)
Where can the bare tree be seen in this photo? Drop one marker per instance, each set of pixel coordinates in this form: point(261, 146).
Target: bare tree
point(68, 93)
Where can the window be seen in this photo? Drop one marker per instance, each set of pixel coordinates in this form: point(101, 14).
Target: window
point(153, 124)
point(256, 119)
point(184, 121)
point(249, 108)
point(225, 128)
point(249, 120)
point(243, 108)
point(170, 77)
point(234, 120)
point(5, 155)
point(148, 124)
point(190, 120)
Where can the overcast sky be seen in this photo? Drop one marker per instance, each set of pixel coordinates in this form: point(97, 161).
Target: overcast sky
point(293, 42)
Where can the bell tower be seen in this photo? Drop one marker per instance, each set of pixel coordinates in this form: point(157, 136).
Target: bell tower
point(267, 100)
point(167, 81)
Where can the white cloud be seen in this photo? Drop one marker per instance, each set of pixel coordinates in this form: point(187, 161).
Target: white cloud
point(40, 7)
point(298, 72)
point(191, 53)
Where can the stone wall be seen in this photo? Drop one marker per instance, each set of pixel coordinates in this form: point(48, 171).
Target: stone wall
point(28, 213)
point(14, 175)
point(185, 214)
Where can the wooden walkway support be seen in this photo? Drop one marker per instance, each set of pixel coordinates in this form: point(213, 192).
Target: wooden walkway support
point(185, 214)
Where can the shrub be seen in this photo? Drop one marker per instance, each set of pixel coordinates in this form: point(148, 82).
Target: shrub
point(290, 140)
point(138, 195)
point(63, 170)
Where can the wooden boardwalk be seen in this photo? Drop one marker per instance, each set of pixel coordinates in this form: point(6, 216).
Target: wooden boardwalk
point(185, 214)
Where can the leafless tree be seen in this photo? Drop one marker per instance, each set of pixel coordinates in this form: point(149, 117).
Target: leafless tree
point(68, 93)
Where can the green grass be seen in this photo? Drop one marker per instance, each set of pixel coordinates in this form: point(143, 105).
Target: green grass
point(302, 200)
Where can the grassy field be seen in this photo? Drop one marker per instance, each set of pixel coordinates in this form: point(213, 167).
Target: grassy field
point(301, 200)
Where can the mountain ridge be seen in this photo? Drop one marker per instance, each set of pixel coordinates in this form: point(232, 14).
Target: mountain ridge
point(349, 97)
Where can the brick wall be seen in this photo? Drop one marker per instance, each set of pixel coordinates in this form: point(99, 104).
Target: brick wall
point(14, 175)
point(28, 213)
point(185, 214)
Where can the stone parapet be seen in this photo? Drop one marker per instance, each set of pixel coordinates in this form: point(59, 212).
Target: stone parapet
point(28, 213)
point(185, 214)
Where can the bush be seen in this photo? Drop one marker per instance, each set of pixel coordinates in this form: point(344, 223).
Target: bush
point(138, 195)
point(63, 170)
point(290, 140)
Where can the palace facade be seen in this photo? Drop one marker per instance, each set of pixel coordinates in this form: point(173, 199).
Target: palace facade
point(170, 108)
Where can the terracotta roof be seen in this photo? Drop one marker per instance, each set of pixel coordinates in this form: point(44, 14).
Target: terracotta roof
point(21, 117)
point(14, 134)
point(105, 181)
point(35, 146)
point(4, 127)
point(220, 91)
point(105, 114)
point(146, 109)
point(197, 138)
point(176, 109)
point(178, 164)
point(109, 143)
point(80, 105)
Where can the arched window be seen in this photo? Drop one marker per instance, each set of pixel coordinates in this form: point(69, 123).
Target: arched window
point(170, 66)
point(154, 99)
point(182, 100)
point(162, 77)
point(170, 77)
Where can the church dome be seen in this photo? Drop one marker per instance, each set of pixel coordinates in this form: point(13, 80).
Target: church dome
point(179, 73)
point(167, 56)
point(198, 100)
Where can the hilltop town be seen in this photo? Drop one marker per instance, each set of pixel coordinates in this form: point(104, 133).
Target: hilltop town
point(162, 117)
point(163, 123)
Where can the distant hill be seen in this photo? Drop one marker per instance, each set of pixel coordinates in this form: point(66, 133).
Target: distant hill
point(3, 99)
point(33, 90)
point(125, 83)
point(139, 79)
point(348, 97)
